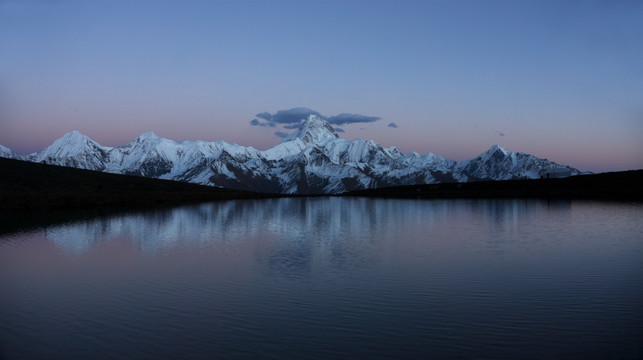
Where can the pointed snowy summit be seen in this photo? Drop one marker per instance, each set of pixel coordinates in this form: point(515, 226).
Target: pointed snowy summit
point(496, 148)
point(75, 150)
point(71, 143)
point(495, 152)
point(147, 136)
point(74, 134)
point(314, 130)
point(72, 138)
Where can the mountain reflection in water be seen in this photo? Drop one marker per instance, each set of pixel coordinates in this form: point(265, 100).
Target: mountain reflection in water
point(328, 277)
point(331, 219)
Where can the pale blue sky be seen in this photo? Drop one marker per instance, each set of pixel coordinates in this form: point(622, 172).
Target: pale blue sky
point(562, 80)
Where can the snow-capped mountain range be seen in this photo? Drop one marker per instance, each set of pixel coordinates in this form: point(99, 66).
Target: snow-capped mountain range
point(312, 160)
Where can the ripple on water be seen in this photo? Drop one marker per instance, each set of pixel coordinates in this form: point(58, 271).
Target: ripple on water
point(330, 278)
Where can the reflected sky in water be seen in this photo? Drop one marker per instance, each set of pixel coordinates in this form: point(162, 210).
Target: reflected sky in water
point(330, 277)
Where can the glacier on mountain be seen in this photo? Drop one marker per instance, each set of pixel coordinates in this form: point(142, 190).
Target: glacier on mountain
point(311, 160)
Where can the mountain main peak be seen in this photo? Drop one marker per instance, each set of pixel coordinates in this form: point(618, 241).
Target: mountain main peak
point(496, 152)
point(496, 148)
point(314, 130)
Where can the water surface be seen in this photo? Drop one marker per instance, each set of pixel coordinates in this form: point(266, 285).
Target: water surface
point(330, 278)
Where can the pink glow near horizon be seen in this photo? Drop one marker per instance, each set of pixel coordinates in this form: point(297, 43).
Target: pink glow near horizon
point(556, 80)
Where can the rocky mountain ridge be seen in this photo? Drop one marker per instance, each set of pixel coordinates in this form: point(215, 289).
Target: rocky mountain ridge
point(312, 160)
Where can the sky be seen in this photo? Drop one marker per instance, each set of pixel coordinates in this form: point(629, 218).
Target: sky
point(561, 80)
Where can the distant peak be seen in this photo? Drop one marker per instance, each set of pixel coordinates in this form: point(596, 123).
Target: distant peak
point(72, 141)
point(314, 130)
point(74, 136)
point(496, 152)
point(496, 148)
point(148, 135)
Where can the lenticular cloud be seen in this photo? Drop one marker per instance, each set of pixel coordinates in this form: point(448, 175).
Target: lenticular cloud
point(295, 117)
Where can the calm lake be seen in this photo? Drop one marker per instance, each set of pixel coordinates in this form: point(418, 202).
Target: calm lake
point(340, 278)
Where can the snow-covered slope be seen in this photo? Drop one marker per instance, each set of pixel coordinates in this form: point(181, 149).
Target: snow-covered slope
point(498, 163)
point(5, 152)
point(312, 160)
point(314, 131)
point(74, 150)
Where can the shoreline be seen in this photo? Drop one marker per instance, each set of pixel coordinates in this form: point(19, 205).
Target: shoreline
point(615, 186)
point(27, 186)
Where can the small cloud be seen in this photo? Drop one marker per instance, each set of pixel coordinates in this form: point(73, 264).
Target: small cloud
point(393, 125)
point(255, 122)
point(344, 118)
point(291, 116)
point(281, 134)
point(264, 115)
point(339, 130)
